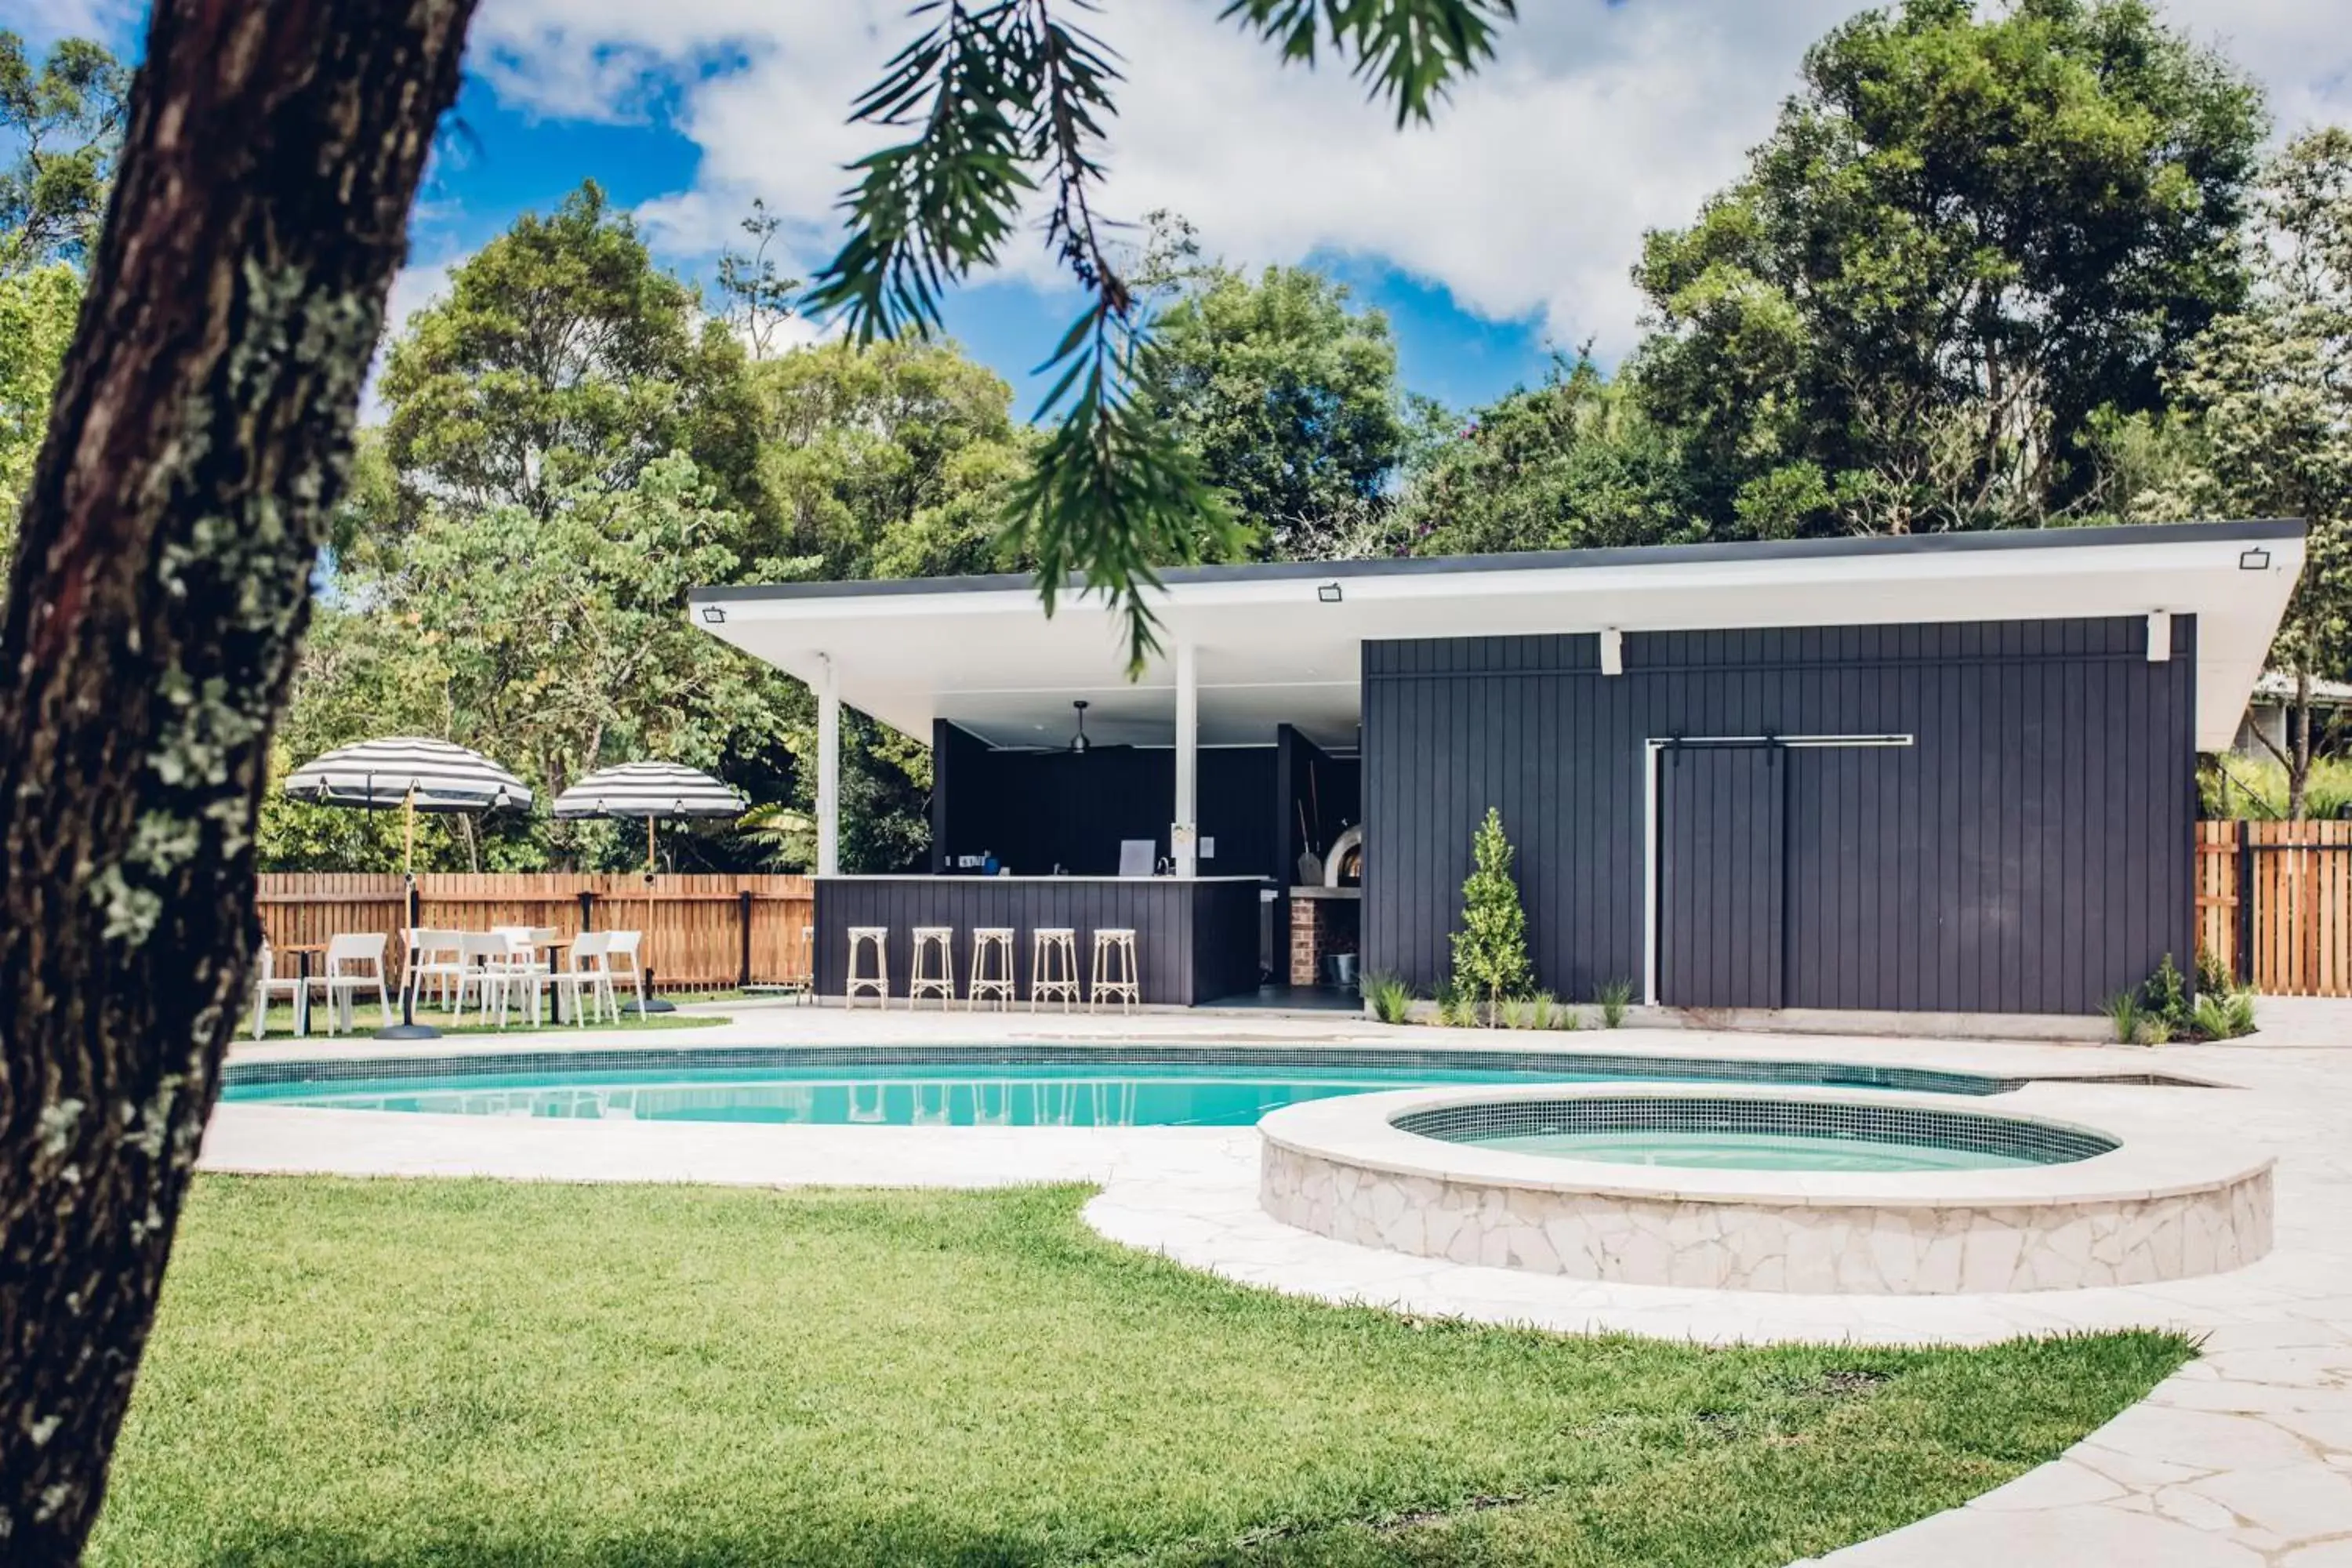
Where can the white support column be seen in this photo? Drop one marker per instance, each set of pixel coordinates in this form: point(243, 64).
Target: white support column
point(1184, 835)
point(828, 769)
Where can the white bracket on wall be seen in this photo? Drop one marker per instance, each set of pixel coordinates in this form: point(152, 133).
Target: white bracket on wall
point(1612, 651)
point(2160, 636)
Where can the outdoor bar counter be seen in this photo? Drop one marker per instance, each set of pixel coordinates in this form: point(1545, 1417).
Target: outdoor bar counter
point(1196, 937)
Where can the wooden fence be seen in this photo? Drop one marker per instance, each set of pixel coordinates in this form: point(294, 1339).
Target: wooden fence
point(702, 932)
point(2275, 903)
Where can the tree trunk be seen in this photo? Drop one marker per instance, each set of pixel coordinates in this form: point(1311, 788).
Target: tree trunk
point(200, 431)
point(2298, 766)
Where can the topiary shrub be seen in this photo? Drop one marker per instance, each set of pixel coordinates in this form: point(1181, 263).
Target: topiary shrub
point(1490, 951)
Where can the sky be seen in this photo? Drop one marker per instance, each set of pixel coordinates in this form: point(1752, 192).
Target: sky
point(1500, 234)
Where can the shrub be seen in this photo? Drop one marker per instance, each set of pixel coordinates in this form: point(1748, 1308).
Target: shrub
point(1540, 1009)
point(1490, 951)
point(2155, 1029)
point(2166, 997)
point(1569, 1020)
point(2211, 976)
point(2224, 1015)
point(1390, 997)
point(2123, 1011)
point(1614, 998)
point(2240, 1007)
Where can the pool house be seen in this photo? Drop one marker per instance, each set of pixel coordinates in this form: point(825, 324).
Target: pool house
point(1950, 773)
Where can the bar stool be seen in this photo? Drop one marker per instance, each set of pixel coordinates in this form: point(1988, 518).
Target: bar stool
point(1114, 968)
point(992, 981)
point(924, 981)
point(861, 939)
point(1052, 966)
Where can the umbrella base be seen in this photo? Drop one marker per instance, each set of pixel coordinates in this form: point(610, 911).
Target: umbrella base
point(651, 1005)
point(409, 1031)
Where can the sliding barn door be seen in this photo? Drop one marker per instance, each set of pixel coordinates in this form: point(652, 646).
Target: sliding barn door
point(1721, 875)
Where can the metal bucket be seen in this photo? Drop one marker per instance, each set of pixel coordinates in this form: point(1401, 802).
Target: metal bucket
point(1339, 970)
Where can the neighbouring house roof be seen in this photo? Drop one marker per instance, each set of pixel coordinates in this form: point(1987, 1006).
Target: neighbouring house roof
point(1271, 649)
point(2276, 687)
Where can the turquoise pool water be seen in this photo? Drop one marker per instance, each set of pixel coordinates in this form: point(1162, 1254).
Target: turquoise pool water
point(1041, 1085)
point(920, 1094)
point(1723, 1151)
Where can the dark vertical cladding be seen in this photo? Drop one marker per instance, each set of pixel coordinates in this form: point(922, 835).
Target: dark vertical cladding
point(2030, 853)
point(1195, 941)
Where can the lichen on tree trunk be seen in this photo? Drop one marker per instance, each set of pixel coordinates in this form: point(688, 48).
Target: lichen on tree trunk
point(201, 432)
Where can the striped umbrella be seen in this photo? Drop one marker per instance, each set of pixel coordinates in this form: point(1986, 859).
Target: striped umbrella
point(663, 790)
point(415, 774)
point(410, 772)
point(658, 791)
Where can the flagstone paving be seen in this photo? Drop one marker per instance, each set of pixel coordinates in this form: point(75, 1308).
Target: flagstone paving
point(2243, 1458)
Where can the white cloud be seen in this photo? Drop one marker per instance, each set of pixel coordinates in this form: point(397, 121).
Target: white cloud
point(414, 287)
point(1528, 197)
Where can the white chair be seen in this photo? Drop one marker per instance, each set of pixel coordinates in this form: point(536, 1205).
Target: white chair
point(516, 968)
point(354, 964)
point(435, 957)
point(623, 944)
point(266, 984)
point(587, 981)
point(482, 964)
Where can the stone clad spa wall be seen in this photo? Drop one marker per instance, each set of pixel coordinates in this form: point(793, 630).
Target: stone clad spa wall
point(1749, 1244)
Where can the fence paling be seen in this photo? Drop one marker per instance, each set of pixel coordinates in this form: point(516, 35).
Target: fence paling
point(694, 926)
point(2275, 903)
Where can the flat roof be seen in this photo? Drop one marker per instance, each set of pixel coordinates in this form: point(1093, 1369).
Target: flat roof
point(980, 652)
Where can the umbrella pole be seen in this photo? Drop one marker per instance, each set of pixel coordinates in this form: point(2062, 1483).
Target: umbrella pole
point(652, 1003)
point(408, 1028)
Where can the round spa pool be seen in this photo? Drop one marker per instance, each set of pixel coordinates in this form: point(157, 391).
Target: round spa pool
point(1753, 1187)
point(1733, 1134)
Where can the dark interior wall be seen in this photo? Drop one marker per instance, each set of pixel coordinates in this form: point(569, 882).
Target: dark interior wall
point(1316, 797)
point(1035, 808)
point(2030, 853)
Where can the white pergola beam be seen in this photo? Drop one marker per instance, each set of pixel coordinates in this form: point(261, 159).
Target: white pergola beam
point(828, 769)
point(1184, 835)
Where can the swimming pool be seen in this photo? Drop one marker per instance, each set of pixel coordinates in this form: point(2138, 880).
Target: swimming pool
point(982, 1086)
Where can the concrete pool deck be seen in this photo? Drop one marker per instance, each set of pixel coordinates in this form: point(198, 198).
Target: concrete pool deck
point(2243, 1458)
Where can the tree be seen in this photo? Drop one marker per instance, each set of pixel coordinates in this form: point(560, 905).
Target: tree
point(1490, 951)
point(760, 299)
point(562, 357)
point(2265, 399)
point(888, 460)
point(1003, 98)
point(1963, 240)
point(556, 643)
point(1286, 391)
point(65, 119)
point(199, 437)
point(1571, 464)
point(37, 321)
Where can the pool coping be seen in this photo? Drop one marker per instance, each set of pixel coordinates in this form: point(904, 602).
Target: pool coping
point(2152, 1159)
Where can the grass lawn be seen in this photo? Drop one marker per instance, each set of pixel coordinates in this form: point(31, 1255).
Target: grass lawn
point(480, 1373)
point(278, 1023)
